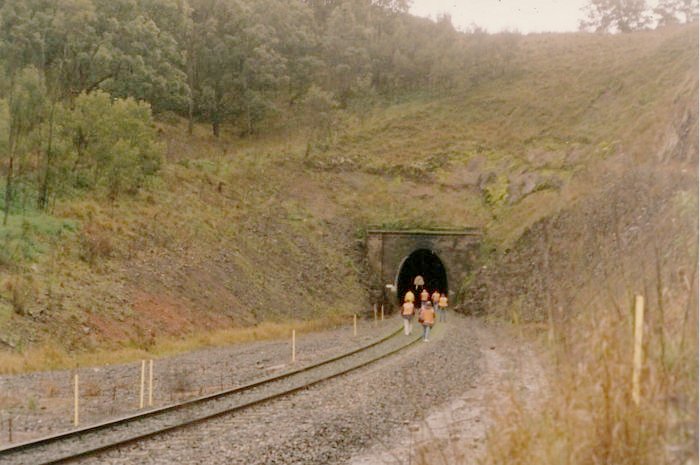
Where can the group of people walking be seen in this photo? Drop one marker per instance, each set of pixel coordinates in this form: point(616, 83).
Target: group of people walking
point(429, 304)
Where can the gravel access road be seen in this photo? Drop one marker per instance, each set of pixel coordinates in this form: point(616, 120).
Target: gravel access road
point(42, 403)
point(330, 422)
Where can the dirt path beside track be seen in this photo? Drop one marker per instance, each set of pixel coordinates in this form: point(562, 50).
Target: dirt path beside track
point(455, 431)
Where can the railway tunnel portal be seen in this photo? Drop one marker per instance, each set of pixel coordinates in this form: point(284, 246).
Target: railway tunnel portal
point(442, 257)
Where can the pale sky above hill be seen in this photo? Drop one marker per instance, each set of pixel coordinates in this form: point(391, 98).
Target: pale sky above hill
point(497, 15)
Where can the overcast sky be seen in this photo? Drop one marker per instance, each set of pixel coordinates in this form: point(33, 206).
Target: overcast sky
point(498, 15)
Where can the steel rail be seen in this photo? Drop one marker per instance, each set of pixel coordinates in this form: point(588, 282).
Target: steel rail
point(77, 433)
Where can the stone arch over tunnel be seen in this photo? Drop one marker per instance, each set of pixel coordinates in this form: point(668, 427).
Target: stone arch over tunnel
point(392, 254)
point(423, 262)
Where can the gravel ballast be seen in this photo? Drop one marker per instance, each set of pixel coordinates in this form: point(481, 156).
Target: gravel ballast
point(41, 403)
point(329, 422)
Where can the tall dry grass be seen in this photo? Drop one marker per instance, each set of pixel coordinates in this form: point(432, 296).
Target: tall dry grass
point(646, 244)
point(587, 416)
point(50, 357)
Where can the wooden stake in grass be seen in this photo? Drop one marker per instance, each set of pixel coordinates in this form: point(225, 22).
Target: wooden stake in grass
point(382, 312)
point(143, 382)
point(150, 383)
point(354, 325)
point(375, 314)
point(294, 346)
point(76, 418)
point(638, 332)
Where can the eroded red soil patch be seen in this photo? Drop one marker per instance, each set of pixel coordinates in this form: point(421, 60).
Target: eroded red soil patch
point(163, 314)
point(155, 315)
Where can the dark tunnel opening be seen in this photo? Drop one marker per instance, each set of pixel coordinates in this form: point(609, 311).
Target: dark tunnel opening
point(427, 264)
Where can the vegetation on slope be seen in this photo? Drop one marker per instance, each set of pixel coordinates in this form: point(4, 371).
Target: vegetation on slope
point(637, 236)
point(576, 153)
point(499, 154)
point(235, 231)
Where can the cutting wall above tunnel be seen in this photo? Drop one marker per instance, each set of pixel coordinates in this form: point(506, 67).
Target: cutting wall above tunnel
point(445, 257)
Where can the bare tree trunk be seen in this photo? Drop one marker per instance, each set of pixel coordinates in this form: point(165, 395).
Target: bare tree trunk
point(189, 36)
point(11, 151)
point(8, 189)
point(43, 199)
point(249, 119)
point(190, 83)
point(216, 117)
point(190, 117)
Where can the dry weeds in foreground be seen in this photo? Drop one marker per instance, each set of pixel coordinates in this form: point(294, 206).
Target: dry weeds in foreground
point(588, 416)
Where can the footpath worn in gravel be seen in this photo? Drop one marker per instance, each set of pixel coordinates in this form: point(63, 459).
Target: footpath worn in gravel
point(365, 417)
point(41, 403)
point(455, 432)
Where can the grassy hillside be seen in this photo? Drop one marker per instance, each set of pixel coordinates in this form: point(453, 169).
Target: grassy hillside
point(563, 104)
point(237, 232)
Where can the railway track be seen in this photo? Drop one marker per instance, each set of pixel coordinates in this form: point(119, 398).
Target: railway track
point(90, 440)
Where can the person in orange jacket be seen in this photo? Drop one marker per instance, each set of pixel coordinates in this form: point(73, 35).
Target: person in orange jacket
point(427, 319)
point(435, 299)
point(442, 307)
point(424, 296)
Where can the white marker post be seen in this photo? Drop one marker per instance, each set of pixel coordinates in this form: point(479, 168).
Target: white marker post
point(354, 324)
point(382, 312)
point(150, 383)
point(294, 346)
point(143, 382)
point(76, 418)
point(638, 333)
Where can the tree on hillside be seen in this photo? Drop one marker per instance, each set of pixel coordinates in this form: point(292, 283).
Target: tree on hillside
point(142, 56)
point(261, 73)
point(83, 45)
point(295, 40)
point(676, 11)
point(616, 16)
point(346, 51)
point(25, 108)
point(108, 144)
point(72, 72)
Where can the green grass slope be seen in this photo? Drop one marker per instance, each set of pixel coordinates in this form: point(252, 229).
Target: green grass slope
point(237, 232)
point(489, 153)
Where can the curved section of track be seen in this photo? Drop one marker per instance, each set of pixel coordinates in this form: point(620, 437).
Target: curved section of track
point(108, 435)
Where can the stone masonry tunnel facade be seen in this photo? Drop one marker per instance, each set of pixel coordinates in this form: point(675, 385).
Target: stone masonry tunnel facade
point(443, 257)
